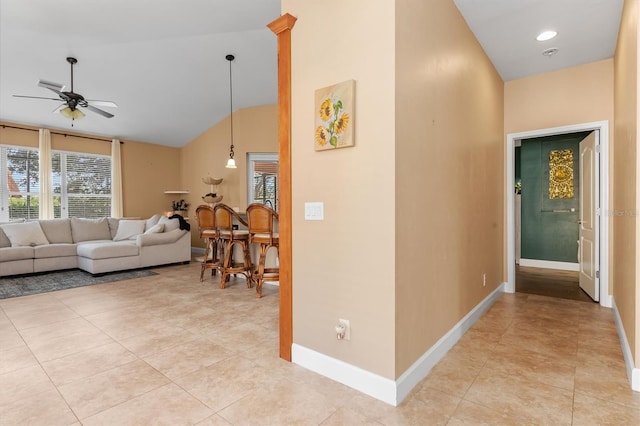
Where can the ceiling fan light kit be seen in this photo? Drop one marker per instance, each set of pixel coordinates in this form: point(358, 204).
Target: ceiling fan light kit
point(72, 114)
point(231, 162)
point(72, 101)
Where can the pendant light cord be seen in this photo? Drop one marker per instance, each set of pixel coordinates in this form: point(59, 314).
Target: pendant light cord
point(230, 58)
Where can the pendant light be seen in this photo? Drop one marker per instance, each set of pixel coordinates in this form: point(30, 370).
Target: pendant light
point(231, 163)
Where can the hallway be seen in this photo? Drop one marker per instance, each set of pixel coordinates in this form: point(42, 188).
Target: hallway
point(550, 282)
point(539, 360)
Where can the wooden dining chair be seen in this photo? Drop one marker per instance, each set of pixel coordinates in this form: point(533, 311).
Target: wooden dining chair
point(207, 226)
point(261, 220)
point(229, 238)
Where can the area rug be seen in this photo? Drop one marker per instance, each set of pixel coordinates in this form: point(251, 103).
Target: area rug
point(61, 280)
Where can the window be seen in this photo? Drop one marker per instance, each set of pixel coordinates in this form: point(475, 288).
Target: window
point(81, 184)
point(19, 183)
point(262, 179)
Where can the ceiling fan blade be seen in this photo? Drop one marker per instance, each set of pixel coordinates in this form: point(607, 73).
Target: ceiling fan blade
point(36, 97)
point(55, 87)
point(102, 103)
point(99, 111)
point(61, 106)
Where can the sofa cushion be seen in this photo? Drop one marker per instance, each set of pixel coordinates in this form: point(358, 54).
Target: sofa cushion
point(90, 229)
point(55, 250)
point(155, 229)
point(57, 231)
point(169, 224)
point(128, 229)
point(159, 239)
point(106, 250)
point(24, 234)
point(16, 253)
point(152, 221)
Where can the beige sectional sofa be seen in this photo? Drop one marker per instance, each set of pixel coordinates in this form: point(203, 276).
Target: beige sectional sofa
point(93, 245)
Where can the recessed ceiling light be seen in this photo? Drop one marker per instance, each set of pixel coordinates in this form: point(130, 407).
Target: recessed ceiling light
point(550, 52)
point(547, 35)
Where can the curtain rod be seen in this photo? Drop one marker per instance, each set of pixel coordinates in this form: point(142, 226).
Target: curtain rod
point(57, 133)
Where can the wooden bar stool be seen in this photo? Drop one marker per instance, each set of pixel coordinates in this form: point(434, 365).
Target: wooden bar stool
point(261, 231)
point(229, 237)
point(207, 226)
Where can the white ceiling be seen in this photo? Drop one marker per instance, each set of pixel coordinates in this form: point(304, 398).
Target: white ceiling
point(163, 61)
point(507, 30)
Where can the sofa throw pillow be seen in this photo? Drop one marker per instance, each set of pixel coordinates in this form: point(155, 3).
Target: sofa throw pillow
point(4, 241)
point(155, 229)
point(169, 224)
point(89, 229)
point(152, 221)
point(57, 231)
point(129, 229)
point(113, 225)
point(25, 234)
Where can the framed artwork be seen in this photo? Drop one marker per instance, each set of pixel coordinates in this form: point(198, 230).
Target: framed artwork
point(561, 174)
point(334, 116)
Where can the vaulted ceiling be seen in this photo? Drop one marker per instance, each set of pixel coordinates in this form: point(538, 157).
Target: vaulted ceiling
point(163, 61)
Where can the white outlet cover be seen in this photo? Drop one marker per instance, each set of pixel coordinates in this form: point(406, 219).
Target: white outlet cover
point(347, 328)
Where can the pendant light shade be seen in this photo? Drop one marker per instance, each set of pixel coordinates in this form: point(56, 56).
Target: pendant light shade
point(231, 163)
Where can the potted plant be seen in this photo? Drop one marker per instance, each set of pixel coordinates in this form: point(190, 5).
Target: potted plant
point(179, 207)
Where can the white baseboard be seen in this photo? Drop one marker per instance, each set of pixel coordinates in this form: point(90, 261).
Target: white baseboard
point(421, 368)
point(387, 390)
point(550, 264)
point(633, 373)
point(355, 377)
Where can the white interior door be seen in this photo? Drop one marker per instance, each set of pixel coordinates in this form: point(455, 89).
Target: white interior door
point(589, 185)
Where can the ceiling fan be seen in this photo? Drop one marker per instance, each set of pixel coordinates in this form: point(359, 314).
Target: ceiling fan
point(72, 102)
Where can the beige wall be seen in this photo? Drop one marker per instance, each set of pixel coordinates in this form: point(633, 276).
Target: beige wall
point(410, 257)
point(147, 169)
point(255, 129)
point(343, 267)
point(625, 193)
point(449, 175)
point(569, 96)
point(449, 183)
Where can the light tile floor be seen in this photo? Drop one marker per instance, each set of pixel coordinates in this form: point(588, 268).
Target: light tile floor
point(171, 350)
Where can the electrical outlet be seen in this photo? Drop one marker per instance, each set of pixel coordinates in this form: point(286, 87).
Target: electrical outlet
point(484, 280)
point(347, 328)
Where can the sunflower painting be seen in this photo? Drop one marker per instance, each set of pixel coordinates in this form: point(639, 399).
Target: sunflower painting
point(334, 116)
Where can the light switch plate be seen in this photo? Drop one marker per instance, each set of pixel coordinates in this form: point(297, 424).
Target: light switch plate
point(314, 211)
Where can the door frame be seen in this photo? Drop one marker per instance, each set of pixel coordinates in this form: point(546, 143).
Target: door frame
point(602, 204)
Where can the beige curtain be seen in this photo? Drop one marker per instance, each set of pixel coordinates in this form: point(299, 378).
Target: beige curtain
point(116, 180)
point(46, 193)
